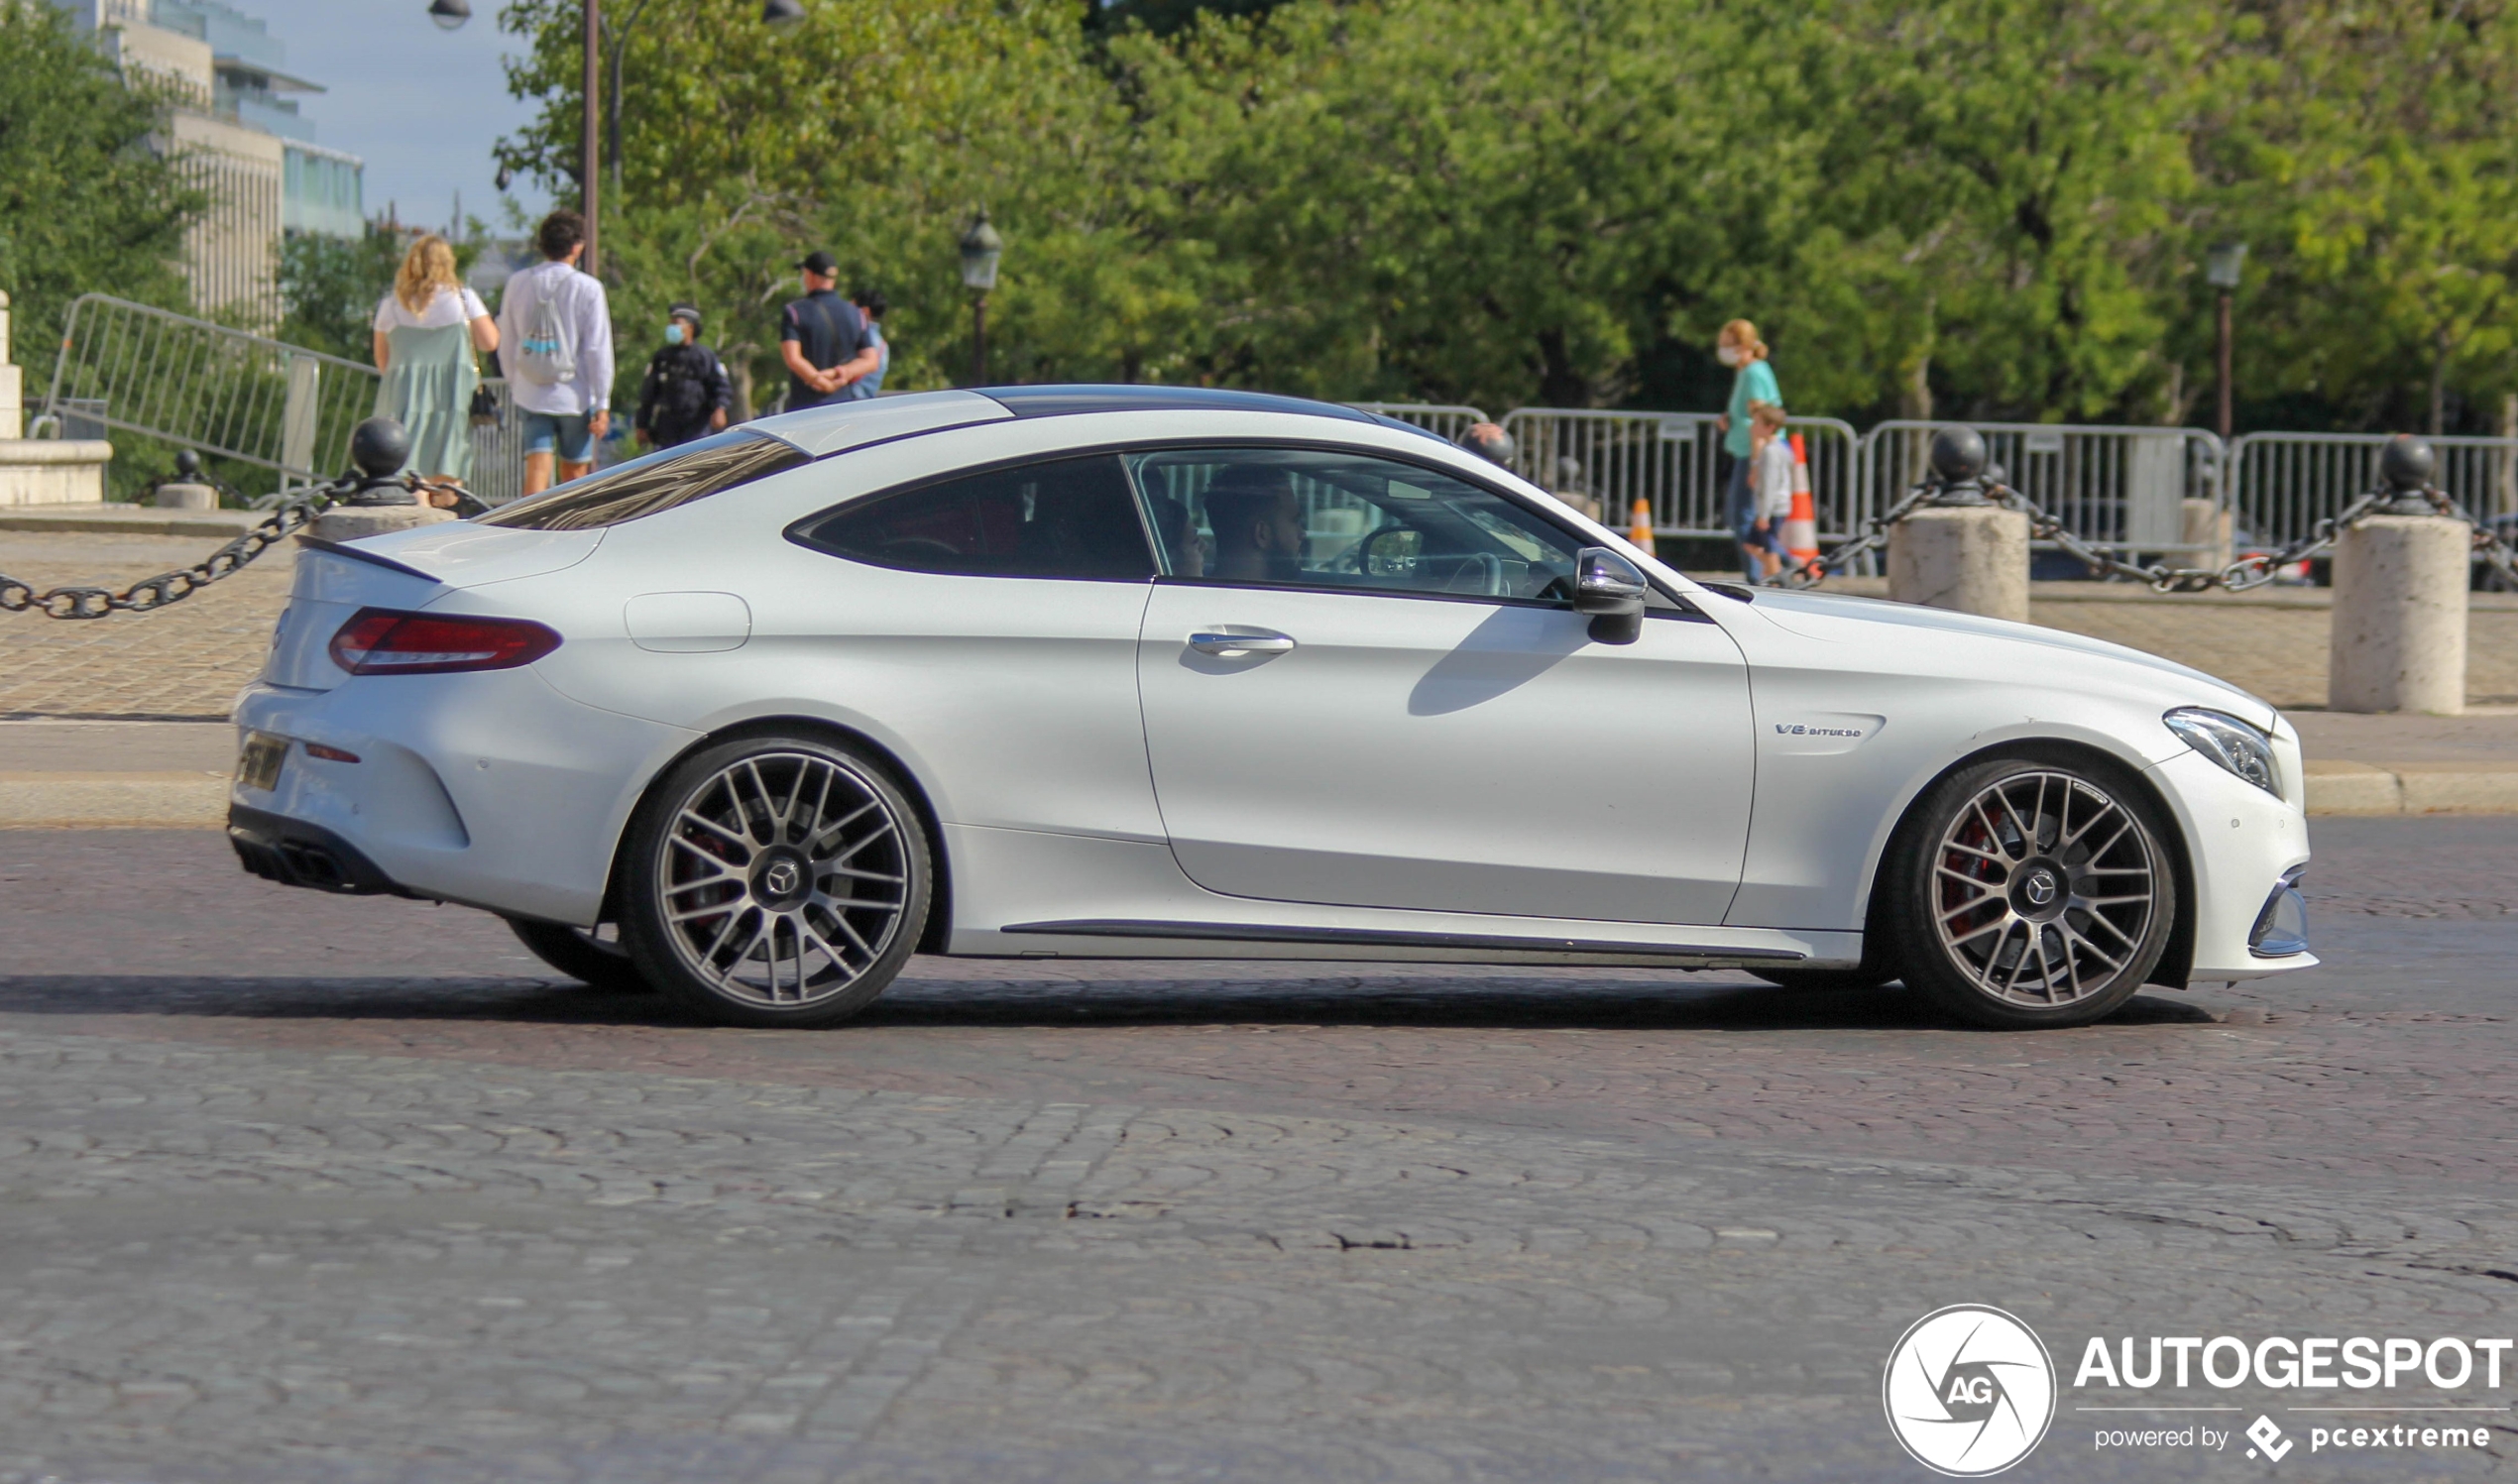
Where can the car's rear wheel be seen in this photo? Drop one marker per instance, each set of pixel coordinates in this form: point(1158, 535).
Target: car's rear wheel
point(2031, 894)
point(777, 880)
point(588, 955)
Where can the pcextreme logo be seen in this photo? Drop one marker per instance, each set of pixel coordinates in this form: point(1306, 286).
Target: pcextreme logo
point(1969, 1389)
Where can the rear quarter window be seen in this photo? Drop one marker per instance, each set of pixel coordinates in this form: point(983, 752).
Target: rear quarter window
point(658, 481)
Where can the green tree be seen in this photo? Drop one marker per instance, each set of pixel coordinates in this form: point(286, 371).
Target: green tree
point(87, 204)
point(329, 288)
point(2372, 165)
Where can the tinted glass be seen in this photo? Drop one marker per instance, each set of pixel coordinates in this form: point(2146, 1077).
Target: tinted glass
point(1346, 521)
point(658, 481)
point(1073, 517)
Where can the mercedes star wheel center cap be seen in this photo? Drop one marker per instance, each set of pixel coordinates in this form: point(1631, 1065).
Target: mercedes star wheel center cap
point(2041, 888)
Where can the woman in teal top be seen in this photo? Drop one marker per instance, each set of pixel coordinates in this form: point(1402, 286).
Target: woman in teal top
point(1753, 385)
point(426, 331)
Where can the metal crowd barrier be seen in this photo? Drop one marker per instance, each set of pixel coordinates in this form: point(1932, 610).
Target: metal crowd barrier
point(2283, 483)
point(2117, 488)
point(1670, 461)
point(138, 369)
point(225, 391)
point(1442, 419)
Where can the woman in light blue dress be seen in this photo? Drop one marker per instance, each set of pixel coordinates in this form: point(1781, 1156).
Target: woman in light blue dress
point(427, 331)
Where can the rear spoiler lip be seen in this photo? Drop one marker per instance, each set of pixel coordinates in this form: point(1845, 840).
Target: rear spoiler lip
point(343, 549)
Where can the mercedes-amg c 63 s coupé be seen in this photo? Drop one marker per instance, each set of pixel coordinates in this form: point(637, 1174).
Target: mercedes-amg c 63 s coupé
point(1131, 671)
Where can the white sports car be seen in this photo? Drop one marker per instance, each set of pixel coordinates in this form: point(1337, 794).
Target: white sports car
point(1131, 671)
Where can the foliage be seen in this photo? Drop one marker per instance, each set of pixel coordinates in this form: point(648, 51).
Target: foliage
point(329, 288)
point(1987, 208)
point(85, 206)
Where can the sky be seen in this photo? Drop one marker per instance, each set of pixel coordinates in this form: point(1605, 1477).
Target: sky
point(420, 105)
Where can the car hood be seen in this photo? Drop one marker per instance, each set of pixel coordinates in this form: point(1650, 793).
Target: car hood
point(1819, 615)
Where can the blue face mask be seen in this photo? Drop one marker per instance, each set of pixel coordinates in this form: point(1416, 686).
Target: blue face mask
point(674, 333)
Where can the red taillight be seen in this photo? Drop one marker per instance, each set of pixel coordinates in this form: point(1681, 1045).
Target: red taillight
point(380, 641)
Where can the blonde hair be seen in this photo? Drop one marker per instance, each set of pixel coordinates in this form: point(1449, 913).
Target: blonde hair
point(427, 268)
point(1768, 415)
point(1741, 333)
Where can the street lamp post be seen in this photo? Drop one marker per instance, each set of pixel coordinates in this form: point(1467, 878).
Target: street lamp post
point(981, 248)
point(2221, 270)
point(449, 14)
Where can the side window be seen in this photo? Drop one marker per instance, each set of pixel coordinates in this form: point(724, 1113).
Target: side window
point(1308, 519)
point(659, 481)
point(1073, 518)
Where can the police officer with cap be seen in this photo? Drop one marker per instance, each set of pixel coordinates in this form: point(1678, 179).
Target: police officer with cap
point(686, 392)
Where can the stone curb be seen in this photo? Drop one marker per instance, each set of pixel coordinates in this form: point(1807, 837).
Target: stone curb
point(129, 520)
point(2411, 788)
point(107, 801)
point(188, 801)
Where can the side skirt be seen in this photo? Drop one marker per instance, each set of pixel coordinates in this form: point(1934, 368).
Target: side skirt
point(1676, 955)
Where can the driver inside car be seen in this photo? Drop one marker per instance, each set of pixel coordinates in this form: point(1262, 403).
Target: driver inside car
point(1258, 523)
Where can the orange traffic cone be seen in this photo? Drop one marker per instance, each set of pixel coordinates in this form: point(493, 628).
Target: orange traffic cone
point(1639, 525)
point(1800, 529)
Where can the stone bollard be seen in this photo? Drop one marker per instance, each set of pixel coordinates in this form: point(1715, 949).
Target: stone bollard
point(1970, 558)
point(181, 496)
point(2203, 523)
point(2398, 640)
point(379, 448)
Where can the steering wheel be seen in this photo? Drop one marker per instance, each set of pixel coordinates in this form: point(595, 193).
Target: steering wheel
point(1488, 579)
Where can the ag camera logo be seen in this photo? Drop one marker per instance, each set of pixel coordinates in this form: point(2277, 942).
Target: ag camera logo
point(1970, 1391)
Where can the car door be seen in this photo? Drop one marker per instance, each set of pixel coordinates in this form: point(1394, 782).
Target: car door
point(994, 615)
point(1364, 686)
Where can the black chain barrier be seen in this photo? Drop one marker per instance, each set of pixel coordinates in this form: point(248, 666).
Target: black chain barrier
point(1958, 481)
point(373, 446)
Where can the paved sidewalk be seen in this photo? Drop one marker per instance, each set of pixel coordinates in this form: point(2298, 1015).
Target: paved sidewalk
point(119, 722)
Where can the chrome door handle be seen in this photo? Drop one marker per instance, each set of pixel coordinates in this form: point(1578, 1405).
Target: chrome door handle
point(1230, 644)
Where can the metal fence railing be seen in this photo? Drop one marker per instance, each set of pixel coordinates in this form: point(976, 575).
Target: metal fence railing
point(1442, 419)
point(1671, 462)
point(2283, 483)
point(138, 369)
point(2118, 487)
point(225, 391)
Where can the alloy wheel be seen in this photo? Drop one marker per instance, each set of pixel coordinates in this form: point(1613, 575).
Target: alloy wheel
point(2043, 888)
point(782, 879)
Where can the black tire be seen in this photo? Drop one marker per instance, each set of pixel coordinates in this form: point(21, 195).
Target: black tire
point(822, 868)
point(1827, 980)
point(2011, 863)
point(581, 956)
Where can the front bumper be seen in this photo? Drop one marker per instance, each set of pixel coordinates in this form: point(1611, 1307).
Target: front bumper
point(2242, 843)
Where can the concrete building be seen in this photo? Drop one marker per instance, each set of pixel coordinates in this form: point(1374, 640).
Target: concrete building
point(236, 119)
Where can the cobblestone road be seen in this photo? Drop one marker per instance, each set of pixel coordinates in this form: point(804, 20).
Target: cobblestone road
point(189, 662)
point(307, 1189)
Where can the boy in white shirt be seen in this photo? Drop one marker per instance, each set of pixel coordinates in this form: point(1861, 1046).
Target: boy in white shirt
point(1771, 478)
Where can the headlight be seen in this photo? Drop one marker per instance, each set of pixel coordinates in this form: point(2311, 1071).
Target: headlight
point(2226, 741)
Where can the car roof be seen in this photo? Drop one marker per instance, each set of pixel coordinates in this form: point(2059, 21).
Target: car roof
point(1061, 402)
point(838, 427)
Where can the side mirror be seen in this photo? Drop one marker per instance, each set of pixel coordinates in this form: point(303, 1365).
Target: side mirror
point(1611, 589)
point(1392, 551)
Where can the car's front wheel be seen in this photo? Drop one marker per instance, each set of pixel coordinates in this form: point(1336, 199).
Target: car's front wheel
point(2029, 895)
point(777, 880)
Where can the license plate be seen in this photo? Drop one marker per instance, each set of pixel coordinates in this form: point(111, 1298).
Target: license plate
point(258, 766)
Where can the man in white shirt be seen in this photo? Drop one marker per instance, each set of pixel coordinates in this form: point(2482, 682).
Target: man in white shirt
point(555, 346)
